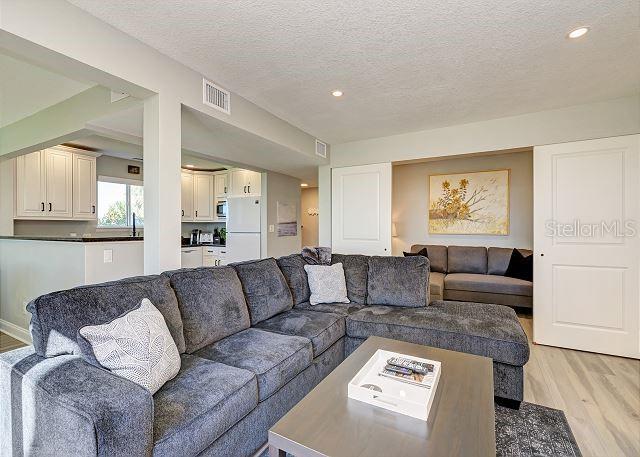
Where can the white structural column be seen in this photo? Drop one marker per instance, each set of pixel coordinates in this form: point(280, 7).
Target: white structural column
point(162, 153)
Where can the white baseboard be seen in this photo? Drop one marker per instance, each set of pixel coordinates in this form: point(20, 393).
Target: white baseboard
point(15, 331)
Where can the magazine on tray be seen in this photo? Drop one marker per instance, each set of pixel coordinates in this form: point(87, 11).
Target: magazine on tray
point(410, 371)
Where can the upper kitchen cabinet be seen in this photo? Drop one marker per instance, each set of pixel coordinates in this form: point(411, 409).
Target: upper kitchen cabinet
point(203, 204)
point(245, 183)
point(84, 187)
point(186, 179)
point(221, 183)
point(31, 192)
point(198, 201)
point(55, 183)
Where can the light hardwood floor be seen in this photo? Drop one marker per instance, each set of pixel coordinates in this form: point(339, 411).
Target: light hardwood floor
point(599, 394)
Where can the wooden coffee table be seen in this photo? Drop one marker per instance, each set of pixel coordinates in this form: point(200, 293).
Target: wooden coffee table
point(328, 423)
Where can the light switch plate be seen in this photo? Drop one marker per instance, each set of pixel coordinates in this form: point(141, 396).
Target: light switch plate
point(272, 228)
point(108, 255)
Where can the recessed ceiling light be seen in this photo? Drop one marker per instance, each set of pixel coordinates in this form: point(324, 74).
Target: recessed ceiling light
point(577, 33)
point(304, 184)
point(189, 166)
point(337, 93)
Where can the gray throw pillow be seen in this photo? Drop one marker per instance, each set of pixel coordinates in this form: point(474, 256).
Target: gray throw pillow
point(136, 346)
point(327, 284)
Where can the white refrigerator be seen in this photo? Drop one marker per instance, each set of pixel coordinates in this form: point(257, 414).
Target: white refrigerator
point(243, 228)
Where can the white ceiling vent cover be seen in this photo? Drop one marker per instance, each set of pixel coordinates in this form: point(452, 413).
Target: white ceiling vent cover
point(215, 96)
point(321, 149)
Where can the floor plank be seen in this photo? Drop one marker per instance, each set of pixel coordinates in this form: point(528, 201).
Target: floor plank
point(600, 395)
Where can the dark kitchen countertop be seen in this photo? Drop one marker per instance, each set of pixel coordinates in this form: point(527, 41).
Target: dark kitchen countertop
point(77, 239)
point(215, 245)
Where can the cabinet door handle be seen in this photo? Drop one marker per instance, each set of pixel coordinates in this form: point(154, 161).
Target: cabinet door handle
point(93, 209)
point(248, 189)
point(182, 213)
point(42, 206)
point(50, 207)
point(196, 213)
point(244, 189)
point(225, 189)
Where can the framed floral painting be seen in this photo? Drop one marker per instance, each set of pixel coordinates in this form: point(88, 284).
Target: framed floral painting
point(474, 203)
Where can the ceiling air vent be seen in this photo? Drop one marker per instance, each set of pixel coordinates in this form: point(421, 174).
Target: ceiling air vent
point(321, 149)
point(215, 96)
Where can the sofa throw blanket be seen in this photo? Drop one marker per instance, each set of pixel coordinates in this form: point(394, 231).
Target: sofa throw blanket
point(317, 256)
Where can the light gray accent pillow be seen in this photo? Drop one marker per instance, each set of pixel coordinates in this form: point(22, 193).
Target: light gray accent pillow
point(327, 283)
point(137, 346)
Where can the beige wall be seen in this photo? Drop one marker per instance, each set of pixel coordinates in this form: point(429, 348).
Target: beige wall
point(282, 188)
point(411, 201)
point(309, 200)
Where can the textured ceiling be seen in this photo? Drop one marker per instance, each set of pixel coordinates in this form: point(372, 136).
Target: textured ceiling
point(404, 65)
point(26, 89)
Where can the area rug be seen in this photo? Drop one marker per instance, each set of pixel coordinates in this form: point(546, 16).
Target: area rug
point(534, 431)
point(531, 431)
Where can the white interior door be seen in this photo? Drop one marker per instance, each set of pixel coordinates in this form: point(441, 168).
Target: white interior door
point(361, 209)
point(587, 247)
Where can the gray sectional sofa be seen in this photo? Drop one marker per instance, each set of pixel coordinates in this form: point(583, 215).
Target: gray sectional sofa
point(475, 274)
point(251, 347)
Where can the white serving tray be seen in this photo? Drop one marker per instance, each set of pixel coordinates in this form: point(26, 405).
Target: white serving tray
point(396, 395)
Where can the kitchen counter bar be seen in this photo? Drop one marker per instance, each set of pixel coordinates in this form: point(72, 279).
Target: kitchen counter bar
point(97, 239)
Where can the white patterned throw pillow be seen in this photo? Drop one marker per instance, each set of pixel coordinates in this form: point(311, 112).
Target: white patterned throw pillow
point(136, 346)
point(327, 283)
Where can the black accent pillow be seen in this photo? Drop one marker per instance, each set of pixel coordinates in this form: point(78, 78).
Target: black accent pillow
point(520, 267)
point(422, 252)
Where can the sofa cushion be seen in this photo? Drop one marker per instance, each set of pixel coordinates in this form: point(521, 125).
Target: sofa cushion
point(436, 284)
point(467, 259)
point(57, 317)
point(327, 284)
point(356, 271)
point(488, 283)
point(437, 255)
point(265, 288)
point(211, 303)
point(292, 267)
point(136, 346)
point(344, 309)
point(201, 403)
point(398, 281)
point(475, 328)
point(323, 329)
point(498, 259)
point(274, 358)
point(520, 267)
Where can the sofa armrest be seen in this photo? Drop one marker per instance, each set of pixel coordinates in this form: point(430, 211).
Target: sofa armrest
point(65, 406)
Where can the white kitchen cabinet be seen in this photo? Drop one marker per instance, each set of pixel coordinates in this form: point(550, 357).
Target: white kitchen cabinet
point(203, 204)
point(59, 178)
point(245, 183)
point(84, 187)
point(56, 183)
point(186, 193)
point(31, 190)
point(221, 181)
point(191, 257)
point(214, 256)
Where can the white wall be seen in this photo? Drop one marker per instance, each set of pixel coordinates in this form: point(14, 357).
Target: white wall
point(127, 260)
point(581, 122)
point(284, 189)
point(411, 201)
point(309, 199)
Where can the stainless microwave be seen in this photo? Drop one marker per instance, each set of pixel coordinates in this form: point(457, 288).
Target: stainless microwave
point(221, 209)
